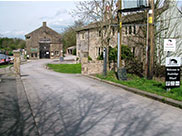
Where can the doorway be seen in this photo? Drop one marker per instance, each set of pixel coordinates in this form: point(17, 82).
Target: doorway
point(44, 49)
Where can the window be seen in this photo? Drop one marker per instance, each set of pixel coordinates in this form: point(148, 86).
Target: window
point(99, 33)
point(133, 51)
point(99, 51)
point(130, 30)
point(134, 29)
point(36, 55)
point(56, 52)
point(83, 35)
point(28, 37)
point(113, 31)
point(126, 30)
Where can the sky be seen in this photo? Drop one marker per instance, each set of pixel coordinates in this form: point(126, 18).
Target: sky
point(22, 17)
point(18, 18)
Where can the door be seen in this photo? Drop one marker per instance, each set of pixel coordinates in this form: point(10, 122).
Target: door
point(44, 49)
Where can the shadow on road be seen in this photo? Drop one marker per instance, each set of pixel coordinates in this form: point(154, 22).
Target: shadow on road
point(15, 118)
point(79, 114)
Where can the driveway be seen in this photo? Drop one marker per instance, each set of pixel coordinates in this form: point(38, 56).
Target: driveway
point(74, 105)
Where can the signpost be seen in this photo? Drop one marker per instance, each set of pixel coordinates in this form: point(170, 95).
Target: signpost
point(173, 72)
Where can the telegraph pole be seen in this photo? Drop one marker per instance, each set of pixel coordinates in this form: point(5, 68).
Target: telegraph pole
point(119, 64)
point(121, 71)
point(151, 49)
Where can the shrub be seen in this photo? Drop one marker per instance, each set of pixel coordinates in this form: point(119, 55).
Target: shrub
point(126, 53)
point(133, 66)
point(89, 58)
point(100, 57)
point(159, 71)
point(74, 51)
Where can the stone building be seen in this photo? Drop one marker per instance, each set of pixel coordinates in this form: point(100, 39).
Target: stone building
point(88, 39)
point(44, 43)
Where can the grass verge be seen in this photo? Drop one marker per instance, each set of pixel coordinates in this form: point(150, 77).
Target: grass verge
point(143, 84)
point(5, 65)
point(66, 68)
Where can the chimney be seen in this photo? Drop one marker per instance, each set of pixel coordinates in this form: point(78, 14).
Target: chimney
point(44, 24)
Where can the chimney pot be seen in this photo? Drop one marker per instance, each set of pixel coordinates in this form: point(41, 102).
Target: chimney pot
point(44, 24)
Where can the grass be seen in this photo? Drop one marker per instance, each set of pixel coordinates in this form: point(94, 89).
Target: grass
point(151, 86)
point(5, 65)
point(66, 68)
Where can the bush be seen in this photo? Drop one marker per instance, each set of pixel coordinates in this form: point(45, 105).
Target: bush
point(89, 58)
point(100, 57)
point(133, 66)
point(74, 51)
point(126, 53)
point(159, 71)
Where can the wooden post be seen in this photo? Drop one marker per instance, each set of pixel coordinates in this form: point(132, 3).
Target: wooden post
point(120, 34)
point(151, 42)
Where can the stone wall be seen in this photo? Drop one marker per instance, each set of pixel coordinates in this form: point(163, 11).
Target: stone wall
point(91, 67)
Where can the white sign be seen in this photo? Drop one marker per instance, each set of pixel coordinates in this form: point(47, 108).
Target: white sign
point(173, 61)
point(170, 45)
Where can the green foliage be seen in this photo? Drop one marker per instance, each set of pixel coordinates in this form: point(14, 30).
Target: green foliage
point(100, 57)
point(69, 35)
point(66, 68)
point(69, 38)
point(151, 86)
point(10, 44)
point(133, 66)
point(5, 65)
point(126, 53)
point(74, 51)
point(113, 53)
point(89, 58)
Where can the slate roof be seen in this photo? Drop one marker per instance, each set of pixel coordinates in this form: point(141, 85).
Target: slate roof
point(44, 29)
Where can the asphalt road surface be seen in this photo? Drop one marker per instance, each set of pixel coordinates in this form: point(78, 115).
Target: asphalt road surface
point(74, 105)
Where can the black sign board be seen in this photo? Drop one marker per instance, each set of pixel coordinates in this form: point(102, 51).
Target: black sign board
point(172, 77)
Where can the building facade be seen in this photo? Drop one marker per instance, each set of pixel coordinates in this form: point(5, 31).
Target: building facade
point(43, 43)
point(88, 38)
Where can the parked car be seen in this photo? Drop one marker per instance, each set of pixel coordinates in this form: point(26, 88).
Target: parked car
point(4, 59)
point(11, 60)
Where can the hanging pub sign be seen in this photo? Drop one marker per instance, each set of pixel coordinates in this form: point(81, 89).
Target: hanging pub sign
point(173, 65)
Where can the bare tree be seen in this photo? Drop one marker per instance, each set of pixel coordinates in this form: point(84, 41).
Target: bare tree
point(102, 14)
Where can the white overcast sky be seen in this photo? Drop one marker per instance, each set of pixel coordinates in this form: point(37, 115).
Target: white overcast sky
point(18, 18)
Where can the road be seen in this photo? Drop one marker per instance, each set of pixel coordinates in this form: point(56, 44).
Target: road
point(75, 105)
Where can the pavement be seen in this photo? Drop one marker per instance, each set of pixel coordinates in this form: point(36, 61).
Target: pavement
point(15, 115)
point(75, 105)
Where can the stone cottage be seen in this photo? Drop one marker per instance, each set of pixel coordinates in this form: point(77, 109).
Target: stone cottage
point(88, 37)
point(43, 43)
point(88, 41)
